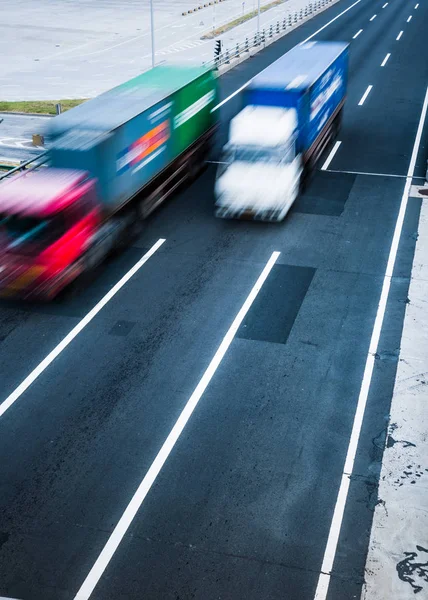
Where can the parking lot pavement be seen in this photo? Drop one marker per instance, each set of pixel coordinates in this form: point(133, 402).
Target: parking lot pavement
point(85, 48)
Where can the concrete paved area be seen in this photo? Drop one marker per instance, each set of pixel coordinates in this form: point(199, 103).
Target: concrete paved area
point(80, 48)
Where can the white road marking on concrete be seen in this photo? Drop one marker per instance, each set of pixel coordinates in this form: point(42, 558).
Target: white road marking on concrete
point(373, 18)
point(354, 37)
point(385, 60)
point(416, 6)
point(304, 42)
point(399, 36)
point(409, 19)
point(143, 489)
point(41, 367)
point(331, 156)
point(336, 523)
point(385, 5)
point(366, 93)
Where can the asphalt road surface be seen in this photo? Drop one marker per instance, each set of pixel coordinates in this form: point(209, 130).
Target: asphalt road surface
point(241, 506)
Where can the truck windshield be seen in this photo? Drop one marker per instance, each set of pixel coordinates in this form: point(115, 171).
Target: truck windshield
point(253, 154)
point(26, 235)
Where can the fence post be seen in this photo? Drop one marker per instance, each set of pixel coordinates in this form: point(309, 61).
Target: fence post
point(278, 27)
point(290, 21)
point(271, 31)
point(237, 50)
point(284, 23)
point(295, 16)
point(227, 57)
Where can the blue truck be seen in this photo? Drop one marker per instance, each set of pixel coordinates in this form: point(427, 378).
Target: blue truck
point(291, 112)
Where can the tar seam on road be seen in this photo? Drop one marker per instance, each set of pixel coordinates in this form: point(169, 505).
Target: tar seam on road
point(304, 42)
point(137, 500)
point(399, 36)
point(330, 156)
point(374, 174)
point(366, 93)
point(357, 34)
point(339, 509)
point(35, 373)
point(385, 60)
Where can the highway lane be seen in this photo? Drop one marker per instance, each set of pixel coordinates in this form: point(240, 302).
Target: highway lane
point(243, 506)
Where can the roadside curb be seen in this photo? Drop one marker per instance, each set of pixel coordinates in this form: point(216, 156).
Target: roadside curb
point(200, 7)
point(24, 114)
point(236, 60)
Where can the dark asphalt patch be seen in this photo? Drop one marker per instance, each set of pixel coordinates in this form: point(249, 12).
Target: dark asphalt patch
point(122, 328)
point(275, 309)
point(326, 195)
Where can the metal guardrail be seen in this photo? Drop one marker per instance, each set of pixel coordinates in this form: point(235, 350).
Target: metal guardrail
point(274, 29)
point(36, 162)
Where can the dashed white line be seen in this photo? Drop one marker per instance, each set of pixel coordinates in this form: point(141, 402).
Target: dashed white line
point(409, 19)
point(399, 36)
point(336, 523)
point(385, 60)
point(385, 5)
point(138, 498)
point(41, 367)
point(366, 93)
point(304, 42)
point(416, 6)
point(373, 18)
point(331, 156)
point(357, 34)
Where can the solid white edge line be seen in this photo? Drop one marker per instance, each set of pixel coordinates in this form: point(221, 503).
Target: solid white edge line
point(336, 523)
point(37, 371)
point(373, 18)
point(357, 34)
point(409, 19)
point(143, 489)
point(366, 93)
point(331, 156)
point(398, 36)
point(304, 42)
point(385, 60)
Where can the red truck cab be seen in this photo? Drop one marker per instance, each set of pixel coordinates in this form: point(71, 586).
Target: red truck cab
point(48, 219)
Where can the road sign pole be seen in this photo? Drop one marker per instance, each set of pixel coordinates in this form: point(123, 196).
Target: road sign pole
point(152, 27)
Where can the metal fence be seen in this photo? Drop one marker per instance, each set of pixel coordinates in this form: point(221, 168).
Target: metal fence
point(225, 56)
point(28, 165)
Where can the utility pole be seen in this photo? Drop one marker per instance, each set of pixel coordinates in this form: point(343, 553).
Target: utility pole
point(152, 26)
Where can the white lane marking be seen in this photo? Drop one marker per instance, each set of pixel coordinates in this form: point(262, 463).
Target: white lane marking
point(385, 5)
point(399, 36)
point(304, 42)
point(409, 19)
point(330, 156)
point(357, 34)
point(416, 6)
point(143, 489)
point(373, 18)
point(385, 60)
point(35, 373)
point(366, 93)
point(336, 523)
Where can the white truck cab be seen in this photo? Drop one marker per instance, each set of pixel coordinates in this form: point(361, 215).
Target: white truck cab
point(260, 172)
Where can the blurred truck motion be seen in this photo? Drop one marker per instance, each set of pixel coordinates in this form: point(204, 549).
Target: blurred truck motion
point(112, 160)
point(292, 110)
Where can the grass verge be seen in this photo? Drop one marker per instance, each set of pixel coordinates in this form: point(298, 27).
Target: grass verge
point(240, 20)
point(41, 107)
